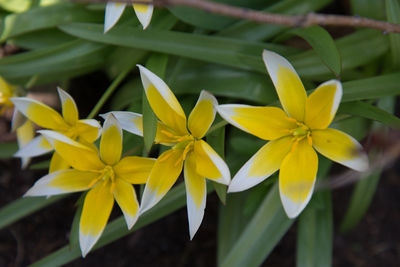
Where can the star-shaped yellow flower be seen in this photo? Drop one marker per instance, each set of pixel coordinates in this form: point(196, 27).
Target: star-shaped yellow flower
point(87, 130)
point(104, 174)
point(294, 135)
point(198, 160)
point(114, 12)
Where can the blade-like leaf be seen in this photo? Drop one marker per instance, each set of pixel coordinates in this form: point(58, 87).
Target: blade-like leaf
point(46, 17)
point(261, 235)
point(371, 112)
point(323, 44)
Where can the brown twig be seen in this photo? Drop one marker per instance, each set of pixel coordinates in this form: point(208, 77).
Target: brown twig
point(270, 18)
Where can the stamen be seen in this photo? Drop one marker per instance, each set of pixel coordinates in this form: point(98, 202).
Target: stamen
point(291, 119)
point(164, 157)
point(92, 183)
point(309, 138)
point(168, 133)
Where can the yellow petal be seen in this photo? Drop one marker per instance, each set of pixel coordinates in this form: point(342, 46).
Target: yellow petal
point(68, 106)
point(88, 130)
point(297, 178)
point(209, 164)
point(264, 163)
point(196, 192)
point(203, 114)
point(111, 141)
point(25, 134)
point(129, 121)
point(163, 101)
point(144, 13)
point(125, 196)
point(57, 163)
point(95, 213)
point(60, 182)
point(112, 14)
point(166, 170)
point(267, 123)
point(39, 113)
point(134, 170)
point(77, 155)
point(287, 83)
point(322, 104)
point(340, 147)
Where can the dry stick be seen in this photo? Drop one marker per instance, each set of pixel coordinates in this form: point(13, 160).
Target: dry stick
point(265, 17)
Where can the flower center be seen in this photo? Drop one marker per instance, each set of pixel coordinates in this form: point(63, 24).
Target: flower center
point(302, 131)
point(107, 174)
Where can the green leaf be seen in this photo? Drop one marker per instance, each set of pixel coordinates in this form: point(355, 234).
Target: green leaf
point(371, 112)
point(46, 17)
point(233, 52)
point(157, 63)
point(252, 31)
point(174, 200)
point(393, 16)
point(261, 235)
point(216, 140)
point(369, 8)
point(23, 207)
point(360, 201)
point(371, 88)
point(15, 5)
point(315, 227)
point(323, 44)
point(50, 64)
point(356, 50)
point(41, 39)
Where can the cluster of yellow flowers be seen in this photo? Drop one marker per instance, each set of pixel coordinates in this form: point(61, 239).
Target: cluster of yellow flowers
point(294, 134)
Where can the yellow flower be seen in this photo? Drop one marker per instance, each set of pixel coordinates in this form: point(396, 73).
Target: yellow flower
point(67, 124)
point(6, 92)
point(293, 134)
point(22, 126)
point(104, 174)
point(189, 151)
point(114, 12)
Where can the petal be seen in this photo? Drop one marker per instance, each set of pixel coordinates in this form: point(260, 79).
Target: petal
point(125, 196)
point(68, 106)
point(111, 141)
point(17, 120)
point(267, 123)
point(38, 146)
point(143, 13)
point(297, 178)
point(112, 14)
point(57, 163)
point(322, 104)
point(162, 177)
point(163, 101)
point(287, 83)
point(340, 147)
point(96, 211)
point(88, 130)
point(134, 170)
point(202, 115)
point(61, 182)
point(6, 88)
point(196, 192)
point(209, 164)
point(264, 163)
point(77, 155)
point(39, 113)
point(129, 121)
point(25, 134)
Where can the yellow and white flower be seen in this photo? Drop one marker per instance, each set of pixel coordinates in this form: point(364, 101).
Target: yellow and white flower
point(198, 160)
point(114, 12)
point(86, 130)
point(294, 134)
point(103, 173)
